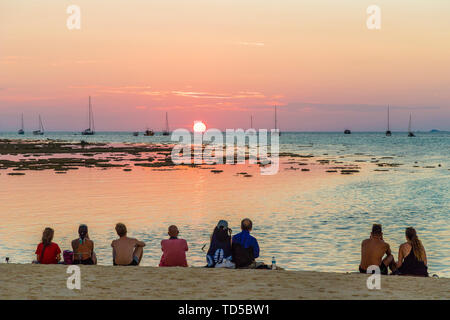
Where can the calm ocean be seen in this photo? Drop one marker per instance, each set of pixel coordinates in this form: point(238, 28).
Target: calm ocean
point(308, 221)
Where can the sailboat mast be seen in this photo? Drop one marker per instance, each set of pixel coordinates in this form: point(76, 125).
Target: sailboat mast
point(22, 127)
point(409, 126)
point(92, 119)
point(388, 120)
point(41, 126)
point(251, 122)
point(167, 122)
point(275, 117)
point(90, 113)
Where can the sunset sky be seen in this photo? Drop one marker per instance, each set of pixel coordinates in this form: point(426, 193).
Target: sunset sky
point(221, 61)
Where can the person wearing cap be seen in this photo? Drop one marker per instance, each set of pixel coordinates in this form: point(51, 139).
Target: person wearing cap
point(219, 253)
point(83, 247)
point(174, 250)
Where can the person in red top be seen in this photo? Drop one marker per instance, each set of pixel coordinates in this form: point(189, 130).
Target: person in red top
point(47, 251)
point(174, 250)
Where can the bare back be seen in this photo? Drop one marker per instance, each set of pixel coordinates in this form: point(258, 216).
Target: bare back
point(373, 251)
point(124, 248)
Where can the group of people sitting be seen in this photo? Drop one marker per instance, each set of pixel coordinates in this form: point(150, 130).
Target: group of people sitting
point(239, 251)
point(412, 258)
point(226, 251)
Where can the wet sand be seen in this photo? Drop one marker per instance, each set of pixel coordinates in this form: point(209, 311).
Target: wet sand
point(26, 281)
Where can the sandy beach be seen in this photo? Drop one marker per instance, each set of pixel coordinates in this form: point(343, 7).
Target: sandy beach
point(26, 281)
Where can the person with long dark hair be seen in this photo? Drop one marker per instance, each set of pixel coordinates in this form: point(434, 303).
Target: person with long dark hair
point(219, 253)
point(412, 258)
point(83, 247)
point(47, 251)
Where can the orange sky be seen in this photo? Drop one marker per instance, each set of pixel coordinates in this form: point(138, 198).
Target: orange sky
point(221, 61)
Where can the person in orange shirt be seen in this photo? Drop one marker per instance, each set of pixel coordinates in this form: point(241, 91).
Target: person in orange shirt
point(83, 247)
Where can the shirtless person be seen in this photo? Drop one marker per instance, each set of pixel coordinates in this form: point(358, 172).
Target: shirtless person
point(373, 251)
point(126, 251)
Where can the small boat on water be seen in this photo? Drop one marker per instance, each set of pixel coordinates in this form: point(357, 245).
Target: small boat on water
point(40, 131)
point(410, 133)
point(21, 130)
point(149, 133)
point(136, 133)
point(347, 131)
point(388, 131)
point(90, 131)
point(166, 131)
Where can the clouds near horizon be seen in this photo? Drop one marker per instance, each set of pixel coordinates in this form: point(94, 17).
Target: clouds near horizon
point(224, 60)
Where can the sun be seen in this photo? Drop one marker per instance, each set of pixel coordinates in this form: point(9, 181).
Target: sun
point(199, 127)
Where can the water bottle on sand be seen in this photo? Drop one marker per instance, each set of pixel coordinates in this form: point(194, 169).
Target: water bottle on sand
point(274, 264)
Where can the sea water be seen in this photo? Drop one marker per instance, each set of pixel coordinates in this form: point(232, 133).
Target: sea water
point(308, 220)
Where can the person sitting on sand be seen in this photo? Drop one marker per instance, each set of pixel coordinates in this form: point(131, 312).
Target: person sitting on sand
point(174, 250)
point(83, 247)
point(219, 253)
point(412, 258)
point(245, 248)
point(373, 251)
point(126, 251)
point(47, 251)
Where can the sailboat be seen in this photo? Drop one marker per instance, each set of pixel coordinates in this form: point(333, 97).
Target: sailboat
point(388, 131)
point(21, 130)
point(410, 133)
point(90, 131)
point(279, 133)
point(40, 131)
point(148, 132)
point(166, 131)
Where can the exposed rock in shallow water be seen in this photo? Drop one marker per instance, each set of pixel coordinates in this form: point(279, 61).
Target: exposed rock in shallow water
point(345, 171)
point(385, 164)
